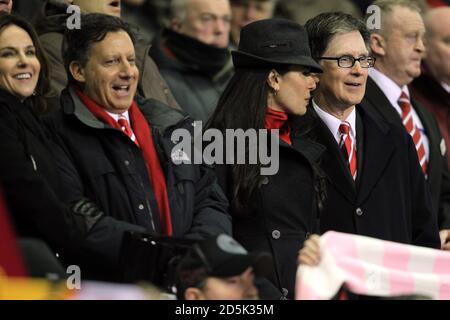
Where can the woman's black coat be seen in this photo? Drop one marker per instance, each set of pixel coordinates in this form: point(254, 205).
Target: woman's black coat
point(284, 210)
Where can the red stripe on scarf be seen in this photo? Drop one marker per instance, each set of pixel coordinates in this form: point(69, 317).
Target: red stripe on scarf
point(278, 120)
point(10, 257)
point(142, 131)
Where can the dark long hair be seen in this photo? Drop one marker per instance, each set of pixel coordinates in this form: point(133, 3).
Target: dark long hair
point(243, 106)
point(37, 100)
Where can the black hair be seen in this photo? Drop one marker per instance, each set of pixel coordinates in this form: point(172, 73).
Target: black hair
point(243, 105)
point(323, 27)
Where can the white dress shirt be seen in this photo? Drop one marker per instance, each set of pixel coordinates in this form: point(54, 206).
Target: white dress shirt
point(333, 123)
point(446, 87)
point(116, 116)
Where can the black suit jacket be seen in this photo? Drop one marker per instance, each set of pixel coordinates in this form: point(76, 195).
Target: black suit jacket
point(390, 199)
point(438, 173)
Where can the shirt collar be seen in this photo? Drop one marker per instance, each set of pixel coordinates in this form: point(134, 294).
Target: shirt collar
point(391, 90)
point(333, 123)
point(116, 116)
point(446, 87)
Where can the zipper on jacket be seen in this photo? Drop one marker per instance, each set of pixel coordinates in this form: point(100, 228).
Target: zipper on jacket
point(33, 162)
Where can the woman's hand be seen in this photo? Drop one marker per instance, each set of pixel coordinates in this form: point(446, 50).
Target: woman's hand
point(310, 253)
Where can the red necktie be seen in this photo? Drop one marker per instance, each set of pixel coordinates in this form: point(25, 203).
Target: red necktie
point(408, 122)
point(348, 147)
point(125, 126)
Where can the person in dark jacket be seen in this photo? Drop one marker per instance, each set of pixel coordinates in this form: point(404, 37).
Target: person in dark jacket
point(432, 87)
point(270, 90)
point(121, 151)
point(399, 48)
point(27, 168)
point(375, 185)
point(192, 54)
point(51, 26)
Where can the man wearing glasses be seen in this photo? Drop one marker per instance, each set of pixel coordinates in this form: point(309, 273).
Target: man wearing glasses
point(375, 186)
point(399, 48)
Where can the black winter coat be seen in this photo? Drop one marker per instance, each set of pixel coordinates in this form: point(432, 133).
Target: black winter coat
point(30, 181)
point(389, 199)
point(283, 212)
point(110, 169)
point(438, 172)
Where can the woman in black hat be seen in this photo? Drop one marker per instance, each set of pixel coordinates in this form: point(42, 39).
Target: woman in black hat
point(271, 89)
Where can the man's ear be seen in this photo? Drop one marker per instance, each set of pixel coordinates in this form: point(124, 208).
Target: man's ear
point(378, 44)
point(77, 71)
point(175, 24)
point(273, 80)
point(193, 294)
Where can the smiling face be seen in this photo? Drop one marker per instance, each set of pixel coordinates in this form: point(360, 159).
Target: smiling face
point(401, 48)
point(293, 90)
point(110, 7)
point(19, 66)
point(342, 88)
point(110, 75)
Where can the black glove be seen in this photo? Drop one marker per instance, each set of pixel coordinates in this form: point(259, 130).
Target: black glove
point(88, 210)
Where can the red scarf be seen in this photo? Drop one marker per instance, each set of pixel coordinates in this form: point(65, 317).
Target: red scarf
point(278, 120)
point(141, 129)
point(10, 258)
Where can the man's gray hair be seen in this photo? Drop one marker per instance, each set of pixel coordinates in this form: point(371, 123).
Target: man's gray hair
point(323, 27)
point(178, 10)
point(387, 6)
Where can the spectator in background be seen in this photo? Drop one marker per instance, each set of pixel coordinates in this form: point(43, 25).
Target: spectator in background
point(432, 87)
point(6, 6)
point(302, 10)
point(219, 268)
point(121, 150)
point(398, 47)
point(192, 54)
point(246, 11)
point(51, 29)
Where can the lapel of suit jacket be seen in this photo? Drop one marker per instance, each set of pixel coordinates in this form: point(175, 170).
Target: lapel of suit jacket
point(378, 150)
point(333, 162)
point(380, 103)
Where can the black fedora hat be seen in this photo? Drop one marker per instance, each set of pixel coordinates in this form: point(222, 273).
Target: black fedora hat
point(270, 42)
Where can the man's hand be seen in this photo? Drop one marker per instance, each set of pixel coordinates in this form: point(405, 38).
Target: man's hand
point(445, 239)
point(310, 253)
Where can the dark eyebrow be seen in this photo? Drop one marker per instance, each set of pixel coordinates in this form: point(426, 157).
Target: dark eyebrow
point(15, 49)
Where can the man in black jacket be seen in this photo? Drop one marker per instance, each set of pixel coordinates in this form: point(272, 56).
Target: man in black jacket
point(375, 184)
point(122, 152)
point(398, 47)
point(192, 54)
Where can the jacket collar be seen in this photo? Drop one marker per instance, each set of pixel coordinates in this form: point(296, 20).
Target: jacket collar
point(376, 138)
point(159, 115)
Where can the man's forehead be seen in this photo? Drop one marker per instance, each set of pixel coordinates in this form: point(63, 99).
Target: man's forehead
point(114, 43)
point(351, 43)
point(218, 7)
point(402, 18)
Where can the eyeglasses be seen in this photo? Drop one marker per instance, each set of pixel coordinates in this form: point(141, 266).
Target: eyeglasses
point(349, 61)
